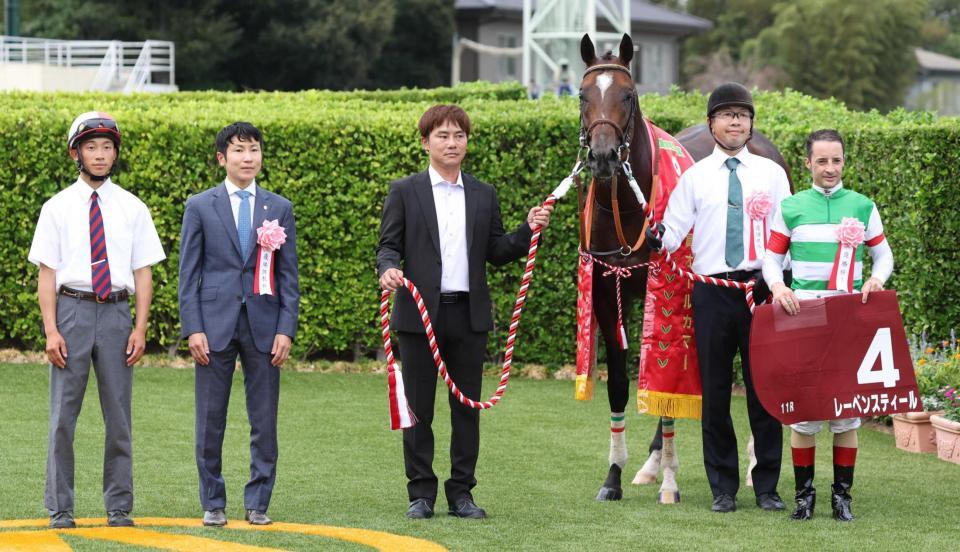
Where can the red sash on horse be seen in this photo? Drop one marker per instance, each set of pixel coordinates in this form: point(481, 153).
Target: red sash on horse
point(669, 381)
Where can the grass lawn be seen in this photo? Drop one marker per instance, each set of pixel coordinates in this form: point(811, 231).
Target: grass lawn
point(543, 457)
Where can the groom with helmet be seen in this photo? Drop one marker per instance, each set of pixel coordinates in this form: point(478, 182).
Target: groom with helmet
point(94, 245)
point(726, 199)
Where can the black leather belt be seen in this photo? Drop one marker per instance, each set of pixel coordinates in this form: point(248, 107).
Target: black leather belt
point(114, 297)
point(738, 275)
point(454, 297)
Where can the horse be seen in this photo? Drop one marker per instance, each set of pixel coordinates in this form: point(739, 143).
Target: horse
point(613, 130)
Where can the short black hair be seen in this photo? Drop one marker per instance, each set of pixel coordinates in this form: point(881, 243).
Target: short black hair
point(824, 135)
point(241, 131)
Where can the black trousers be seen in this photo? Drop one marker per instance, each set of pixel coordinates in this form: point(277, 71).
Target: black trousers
point(261, 382)
point(463, 350)
point(722, 323)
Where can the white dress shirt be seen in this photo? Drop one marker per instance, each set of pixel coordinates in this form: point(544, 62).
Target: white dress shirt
point(62, 238)
point(232, 190)
point(700, 202)
point(449, 200)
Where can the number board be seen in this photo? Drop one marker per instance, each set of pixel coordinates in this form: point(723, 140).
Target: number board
point(838, 358)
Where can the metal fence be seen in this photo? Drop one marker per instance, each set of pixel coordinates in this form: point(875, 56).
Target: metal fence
point(127, 66)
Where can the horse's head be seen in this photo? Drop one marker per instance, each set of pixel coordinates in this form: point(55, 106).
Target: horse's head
point(608, 106)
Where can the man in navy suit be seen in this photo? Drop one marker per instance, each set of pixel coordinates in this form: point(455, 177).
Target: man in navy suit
point(439, 229)
point(237, 300)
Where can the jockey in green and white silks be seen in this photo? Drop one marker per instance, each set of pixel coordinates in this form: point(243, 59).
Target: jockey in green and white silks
point(807, 225)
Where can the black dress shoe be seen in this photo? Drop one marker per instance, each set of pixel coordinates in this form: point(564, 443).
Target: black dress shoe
point(119, 518)
point(62, 520)
point(421, 508)
point(770, 502)
point(467, 508)
point(724, 503)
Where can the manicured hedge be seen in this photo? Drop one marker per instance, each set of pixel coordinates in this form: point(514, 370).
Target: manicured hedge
point(334, 155)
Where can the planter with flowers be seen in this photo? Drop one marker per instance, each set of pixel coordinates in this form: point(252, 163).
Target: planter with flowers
point(947, 426)
point(936, 365)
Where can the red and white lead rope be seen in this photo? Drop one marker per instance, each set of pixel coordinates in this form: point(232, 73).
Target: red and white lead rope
point(619, 272)
point(747, 287)
point(401, 416)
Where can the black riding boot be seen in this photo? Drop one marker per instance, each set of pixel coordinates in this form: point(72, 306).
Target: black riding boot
point(806, 494)
point(842, 481)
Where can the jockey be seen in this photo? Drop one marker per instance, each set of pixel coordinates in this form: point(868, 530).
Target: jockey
point(814, 226)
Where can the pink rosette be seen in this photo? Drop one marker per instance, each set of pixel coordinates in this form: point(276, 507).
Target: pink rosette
point(271, 235)
point(758, 205)
point(850, 232)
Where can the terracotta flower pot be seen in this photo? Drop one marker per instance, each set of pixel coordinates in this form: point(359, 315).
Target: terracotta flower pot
point(914, 433)
point(948, 438)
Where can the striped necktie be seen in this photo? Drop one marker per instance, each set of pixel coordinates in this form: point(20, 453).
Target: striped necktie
point(99, 265)
point(243, 222)
point(733, 253)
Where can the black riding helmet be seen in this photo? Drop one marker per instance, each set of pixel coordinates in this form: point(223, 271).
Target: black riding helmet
point(728, 95)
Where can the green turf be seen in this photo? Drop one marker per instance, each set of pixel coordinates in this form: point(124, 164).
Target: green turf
point(543, 456)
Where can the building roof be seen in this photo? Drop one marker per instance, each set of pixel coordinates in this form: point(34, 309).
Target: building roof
point(641, 13)
point(932, 61)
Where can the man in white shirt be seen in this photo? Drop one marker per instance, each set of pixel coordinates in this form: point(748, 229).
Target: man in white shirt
point(728, 198)
point(439, 229)
point(94, 244)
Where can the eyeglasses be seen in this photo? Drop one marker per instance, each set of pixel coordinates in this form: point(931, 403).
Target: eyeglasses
point(731, 115)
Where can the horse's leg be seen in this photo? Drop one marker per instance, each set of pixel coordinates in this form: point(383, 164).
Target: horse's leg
point(669, 491)
point(617, 387)
point(648, 473)
point(752, 463)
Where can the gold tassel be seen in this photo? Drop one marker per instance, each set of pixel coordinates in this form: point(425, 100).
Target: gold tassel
point(584, 388)
point(673, 405)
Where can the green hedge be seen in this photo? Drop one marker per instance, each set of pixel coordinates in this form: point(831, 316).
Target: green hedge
point(335, 154)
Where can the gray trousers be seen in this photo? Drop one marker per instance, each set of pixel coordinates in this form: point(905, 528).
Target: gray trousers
point(94, 333)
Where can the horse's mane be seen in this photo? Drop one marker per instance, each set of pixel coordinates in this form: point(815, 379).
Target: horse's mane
point(609, 56)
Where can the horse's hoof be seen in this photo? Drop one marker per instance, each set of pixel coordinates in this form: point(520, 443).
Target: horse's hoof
point(644, 478)
point(668, 497)
point(609, 493)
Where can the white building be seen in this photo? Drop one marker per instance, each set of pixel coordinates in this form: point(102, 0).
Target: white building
point(656, 32)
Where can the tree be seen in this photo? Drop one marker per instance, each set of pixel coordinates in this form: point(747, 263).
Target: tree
point(940, 31)
point(858, 51)
point(297, 44)
point(203, 33)
point(417, 53)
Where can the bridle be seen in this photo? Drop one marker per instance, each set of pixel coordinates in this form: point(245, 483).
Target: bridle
point(623, 134)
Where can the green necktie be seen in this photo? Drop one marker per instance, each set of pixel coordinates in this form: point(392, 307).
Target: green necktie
point(734, 248)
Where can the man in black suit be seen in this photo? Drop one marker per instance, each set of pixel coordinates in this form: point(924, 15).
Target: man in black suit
point(439, 229)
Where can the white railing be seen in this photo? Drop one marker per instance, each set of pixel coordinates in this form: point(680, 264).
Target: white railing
point(127, 66)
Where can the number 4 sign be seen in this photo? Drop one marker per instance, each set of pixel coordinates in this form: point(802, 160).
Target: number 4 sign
point(881, 347)
point(838, 358)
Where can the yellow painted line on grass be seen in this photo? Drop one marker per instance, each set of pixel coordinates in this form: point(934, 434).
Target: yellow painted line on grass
point(93, 528)
point(32, 541)
point(163, 541)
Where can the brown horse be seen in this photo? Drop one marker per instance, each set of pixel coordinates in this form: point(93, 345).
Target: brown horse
point(612, 128)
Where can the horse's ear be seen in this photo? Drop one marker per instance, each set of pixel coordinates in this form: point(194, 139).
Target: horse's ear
point(626, 49)
point(587, 53)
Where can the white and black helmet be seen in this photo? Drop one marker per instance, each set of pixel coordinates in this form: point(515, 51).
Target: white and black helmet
point(94, 124)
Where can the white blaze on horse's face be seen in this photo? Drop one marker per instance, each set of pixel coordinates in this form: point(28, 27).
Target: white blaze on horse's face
point(603, 82)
